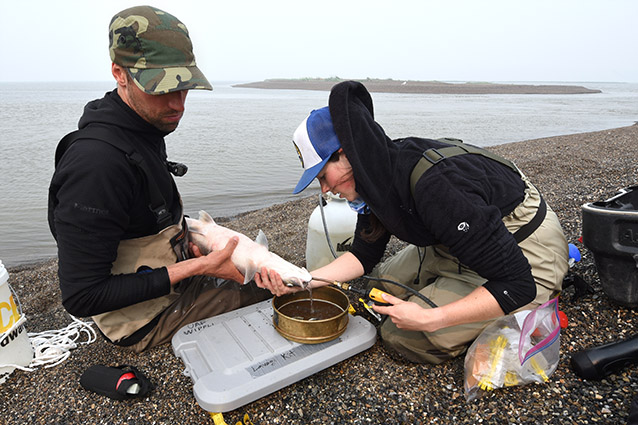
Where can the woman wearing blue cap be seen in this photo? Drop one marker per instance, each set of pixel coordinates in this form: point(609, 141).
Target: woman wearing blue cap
point(482, 241)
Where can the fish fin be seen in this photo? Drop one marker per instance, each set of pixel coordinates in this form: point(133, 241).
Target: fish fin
point(262, 239)
point(251, 270)
point(195, 226)
point(205, 217)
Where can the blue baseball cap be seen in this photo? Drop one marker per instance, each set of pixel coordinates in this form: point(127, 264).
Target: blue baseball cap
point(315, 140)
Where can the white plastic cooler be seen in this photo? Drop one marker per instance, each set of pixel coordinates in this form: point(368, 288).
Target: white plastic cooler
point(238, 357)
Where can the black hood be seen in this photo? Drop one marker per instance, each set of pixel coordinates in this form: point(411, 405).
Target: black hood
point(363, 140)
point(381, 166)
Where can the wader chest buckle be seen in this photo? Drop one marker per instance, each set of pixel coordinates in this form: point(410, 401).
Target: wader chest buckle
point(434, 156)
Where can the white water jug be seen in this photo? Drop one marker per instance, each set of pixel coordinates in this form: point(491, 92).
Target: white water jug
point(340, 224)
point(15, 345)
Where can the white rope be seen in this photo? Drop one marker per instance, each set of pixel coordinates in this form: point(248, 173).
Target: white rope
point(52, 347)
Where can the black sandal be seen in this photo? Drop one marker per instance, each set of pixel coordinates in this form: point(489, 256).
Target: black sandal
point(119, 383)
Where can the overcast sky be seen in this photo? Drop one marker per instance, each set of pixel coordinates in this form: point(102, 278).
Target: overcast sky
point(250, 40)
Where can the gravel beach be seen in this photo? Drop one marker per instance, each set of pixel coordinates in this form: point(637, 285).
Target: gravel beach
point(372, 387)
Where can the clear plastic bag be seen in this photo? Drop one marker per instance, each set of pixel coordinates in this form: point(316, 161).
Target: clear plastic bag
point(514, 350)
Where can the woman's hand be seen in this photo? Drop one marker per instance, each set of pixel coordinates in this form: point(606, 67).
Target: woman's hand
point(478, 306)
point(410, 316)
point(270, 280)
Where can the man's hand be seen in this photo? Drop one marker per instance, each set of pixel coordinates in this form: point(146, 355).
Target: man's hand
point(218, 263)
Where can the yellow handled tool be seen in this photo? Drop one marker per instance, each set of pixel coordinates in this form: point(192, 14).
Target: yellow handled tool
point(377, 295)
point(374, 294)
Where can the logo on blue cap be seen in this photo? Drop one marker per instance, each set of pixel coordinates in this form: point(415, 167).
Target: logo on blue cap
point(298, 154)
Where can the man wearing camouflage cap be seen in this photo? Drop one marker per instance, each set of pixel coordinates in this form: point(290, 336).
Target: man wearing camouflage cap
point(114, 209)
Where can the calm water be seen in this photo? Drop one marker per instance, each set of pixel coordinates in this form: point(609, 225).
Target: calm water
point(237, 142)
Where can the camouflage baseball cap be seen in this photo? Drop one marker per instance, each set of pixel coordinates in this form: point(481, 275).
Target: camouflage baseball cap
point(155, 48)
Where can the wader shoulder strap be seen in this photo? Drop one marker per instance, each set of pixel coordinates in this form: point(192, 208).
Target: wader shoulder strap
point(157, 204)
point(530, 227)
point(433, 156)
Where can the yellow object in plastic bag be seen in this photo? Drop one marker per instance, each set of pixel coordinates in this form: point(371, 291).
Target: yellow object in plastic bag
point(514, 350)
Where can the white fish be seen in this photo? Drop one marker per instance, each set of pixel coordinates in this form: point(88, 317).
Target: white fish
point(249, 256)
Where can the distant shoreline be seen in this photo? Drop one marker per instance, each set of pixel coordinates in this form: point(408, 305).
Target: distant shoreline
point(420, 87)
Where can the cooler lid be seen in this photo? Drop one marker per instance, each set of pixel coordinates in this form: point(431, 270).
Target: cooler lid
point(238, 357)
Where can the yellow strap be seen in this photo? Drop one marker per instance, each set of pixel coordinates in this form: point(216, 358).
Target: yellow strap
point(218, 418)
